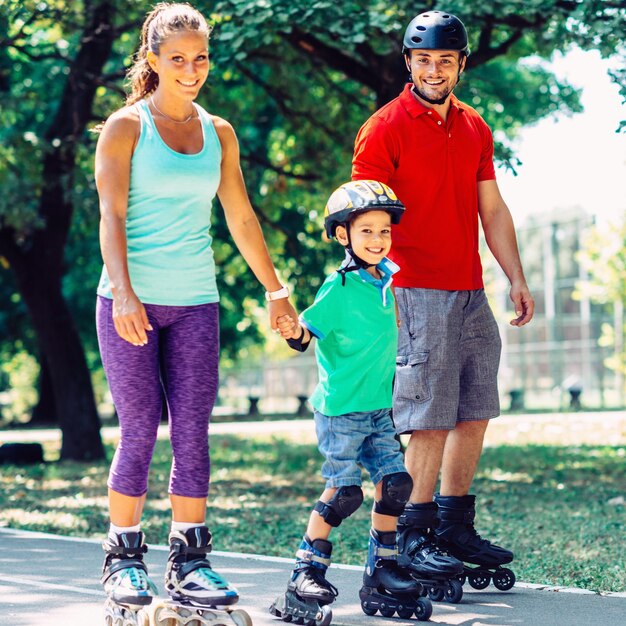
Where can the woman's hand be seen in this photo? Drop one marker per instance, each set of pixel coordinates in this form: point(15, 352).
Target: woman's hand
point(130, 319)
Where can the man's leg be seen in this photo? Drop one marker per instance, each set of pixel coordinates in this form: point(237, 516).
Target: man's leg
point(461, 454)
point(423, 459)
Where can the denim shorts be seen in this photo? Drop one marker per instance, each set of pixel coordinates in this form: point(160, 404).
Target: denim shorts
point(448, 357)
point(352, 440)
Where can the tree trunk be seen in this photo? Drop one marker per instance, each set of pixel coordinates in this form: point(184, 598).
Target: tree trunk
point(44, 413)
point(37, 259)
point(64, 359)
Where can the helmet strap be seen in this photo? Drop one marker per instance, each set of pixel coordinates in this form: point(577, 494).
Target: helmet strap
point(356, 262)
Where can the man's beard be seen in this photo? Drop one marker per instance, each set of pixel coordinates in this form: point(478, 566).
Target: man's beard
point(429, 99)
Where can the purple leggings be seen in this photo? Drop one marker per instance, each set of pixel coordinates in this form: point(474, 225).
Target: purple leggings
point(179, 364)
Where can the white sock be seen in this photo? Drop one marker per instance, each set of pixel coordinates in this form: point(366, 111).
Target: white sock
point(114, 530)
point(184, 526)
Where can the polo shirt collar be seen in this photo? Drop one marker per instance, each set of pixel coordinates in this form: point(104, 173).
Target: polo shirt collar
point(415, 108)
point(386, 267)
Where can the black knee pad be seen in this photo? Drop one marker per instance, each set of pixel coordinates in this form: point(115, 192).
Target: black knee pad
point(343, 504)
point(396, 492)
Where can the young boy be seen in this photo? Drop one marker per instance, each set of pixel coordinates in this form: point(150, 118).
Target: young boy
point(353, 319)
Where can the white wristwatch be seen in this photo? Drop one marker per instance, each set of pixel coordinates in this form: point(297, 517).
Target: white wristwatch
point(283, 292)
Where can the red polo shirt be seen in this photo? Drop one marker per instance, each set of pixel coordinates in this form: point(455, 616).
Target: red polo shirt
point(434, 167)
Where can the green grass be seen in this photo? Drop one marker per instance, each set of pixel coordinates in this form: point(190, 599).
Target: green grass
point(557, 507)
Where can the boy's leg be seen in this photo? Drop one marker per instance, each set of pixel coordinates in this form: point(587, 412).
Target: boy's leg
point(308, 591)
point(383, 580)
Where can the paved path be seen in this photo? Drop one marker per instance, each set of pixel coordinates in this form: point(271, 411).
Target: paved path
point(582, 427)
point(48, 580)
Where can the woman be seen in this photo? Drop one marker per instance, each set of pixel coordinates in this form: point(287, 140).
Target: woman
point(160, 161)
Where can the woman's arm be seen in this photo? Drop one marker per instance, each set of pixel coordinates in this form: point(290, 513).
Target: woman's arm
point(112, 169)
point(243, 223)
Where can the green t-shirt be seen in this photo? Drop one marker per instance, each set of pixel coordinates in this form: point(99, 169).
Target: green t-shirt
point(357, 335)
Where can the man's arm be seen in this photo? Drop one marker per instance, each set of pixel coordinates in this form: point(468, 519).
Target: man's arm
point(374, 151)
point(499, 231)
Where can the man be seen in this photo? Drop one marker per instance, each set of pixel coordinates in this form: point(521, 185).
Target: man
point(437, 154)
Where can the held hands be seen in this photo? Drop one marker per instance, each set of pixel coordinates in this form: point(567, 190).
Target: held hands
point(130, 319)
point(288, 327)
point(279, 309)
point(524, 304)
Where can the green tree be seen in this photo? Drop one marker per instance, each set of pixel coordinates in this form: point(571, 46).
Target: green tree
point(295, 79)
point(44, 115)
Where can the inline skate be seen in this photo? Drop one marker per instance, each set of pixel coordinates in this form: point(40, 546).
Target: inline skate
point(387, 588)
point(125, 579)
point(308, 592)
point(434, 569)
point(457, 535)
point(198, 594)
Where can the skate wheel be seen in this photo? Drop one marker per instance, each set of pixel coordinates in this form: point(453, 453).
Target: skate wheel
point(423, 609)
point(298, 620)
point(462, 578)
point(240, 617)
point(404, 612)
point(387, 611)
point(453, 592)
point(368, 609)
point(479, 579)
point(503, 579)
point(326, 617)
point(161, 619)
point(436, 595)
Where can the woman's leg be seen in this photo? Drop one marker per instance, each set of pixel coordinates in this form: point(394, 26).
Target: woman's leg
point(133, 376)
point(189, 367)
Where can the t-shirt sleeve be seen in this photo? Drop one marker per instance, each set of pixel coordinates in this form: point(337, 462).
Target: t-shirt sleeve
point(486, 170)
point(375, 153)
point(319, 318)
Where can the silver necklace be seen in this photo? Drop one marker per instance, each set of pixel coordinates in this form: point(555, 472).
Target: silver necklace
point(152, 102)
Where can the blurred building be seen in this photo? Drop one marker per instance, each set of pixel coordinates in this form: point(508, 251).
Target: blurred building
point(556, 361)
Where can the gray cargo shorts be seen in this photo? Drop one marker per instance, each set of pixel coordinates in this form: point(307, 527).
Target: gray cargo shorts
point(448, 357)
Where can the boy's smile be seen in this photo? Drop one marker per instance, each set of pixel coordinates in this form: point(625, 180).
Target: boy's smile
point(370, 237)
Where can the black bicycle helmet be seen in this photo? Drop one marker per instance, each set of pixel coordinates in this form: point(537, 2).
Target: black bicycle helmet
point(435, 30)
point(360, 196)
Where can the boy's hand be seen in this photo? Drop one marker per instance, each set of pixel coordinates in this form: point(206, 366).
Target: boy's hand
point(288, 327)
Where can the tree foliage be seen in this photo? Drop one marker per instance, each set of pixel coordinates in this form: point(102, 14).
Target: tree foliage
point(296, 79)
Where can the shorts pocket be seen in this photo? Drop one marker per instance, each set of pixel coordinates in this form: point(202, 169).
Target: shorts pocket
point(411, 381)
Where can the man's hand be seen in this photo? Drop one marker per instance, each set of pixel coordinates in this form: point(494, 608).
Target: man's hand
point(524, 304)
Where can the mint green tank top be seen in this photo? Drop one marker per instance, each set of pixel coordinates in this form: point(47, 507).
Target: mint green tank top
point(170, 260)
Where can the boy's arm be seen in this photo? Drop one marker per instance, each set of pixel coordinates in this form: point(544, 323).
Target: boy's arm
point(302, 341)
